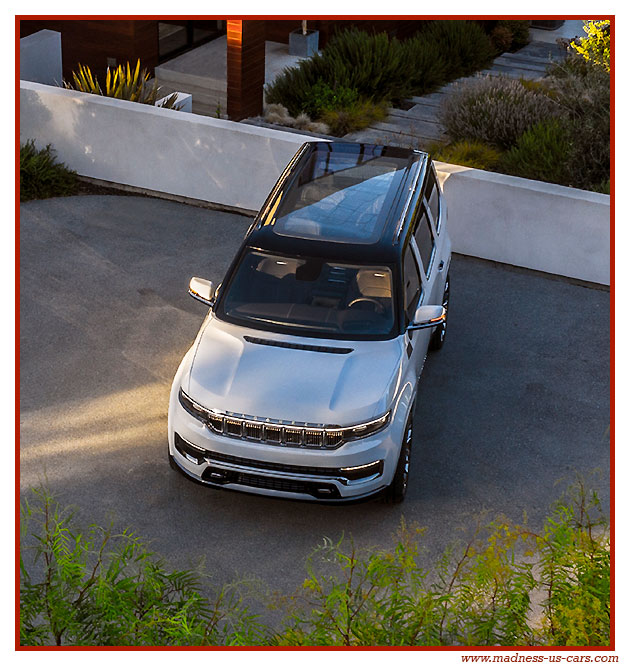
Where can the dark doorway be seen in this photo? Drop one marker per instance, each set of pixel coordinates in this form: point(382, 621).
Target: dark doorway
point(175, 37)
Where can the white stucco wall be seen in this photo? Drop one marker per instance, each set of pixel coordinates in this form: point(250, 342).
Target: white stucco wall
point(158, 149)
point(521, 222)
point(40, 57)
point(528, 223)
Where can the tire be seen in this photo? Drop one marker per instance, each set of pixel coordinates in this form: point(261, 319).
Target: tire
point(439, 335)
point(397, 489)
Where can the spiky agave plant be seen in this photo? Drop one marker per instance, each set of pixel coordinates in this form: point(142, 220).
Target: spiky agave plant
point(121, 83)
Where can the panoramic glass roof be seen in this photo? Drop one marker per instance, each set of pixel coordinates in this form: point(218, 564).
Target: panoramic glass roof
point(342, 194)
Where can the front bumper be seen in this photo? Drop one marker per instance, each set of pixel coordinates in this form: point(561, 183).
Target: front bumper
point(296, 473)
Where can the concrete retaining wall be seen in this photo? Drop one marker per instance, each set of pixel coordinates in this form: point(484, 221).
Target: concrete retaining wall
point(526, 223)
point(40, 57)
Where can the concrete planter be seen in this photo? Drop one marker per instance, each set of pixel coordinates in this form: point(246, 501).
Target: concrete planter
point(303, 45)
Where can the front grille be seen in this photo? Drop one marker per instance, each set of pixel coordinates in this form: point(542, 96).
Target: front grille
point(215, 456)
point(320, 490)
point(283, 433)
point(301, 435)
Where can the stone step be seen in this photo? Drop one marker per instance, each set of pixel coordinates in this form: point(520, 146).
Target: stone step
point(433, 98)
point(409, 126)
point(519, 57)
point(513, 73)
point(521, 64)
point(423, 112)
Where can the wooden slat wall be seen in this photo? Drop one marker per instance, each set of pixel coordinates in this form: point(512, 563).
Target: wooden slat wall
point(245, 68)
point(92, 42)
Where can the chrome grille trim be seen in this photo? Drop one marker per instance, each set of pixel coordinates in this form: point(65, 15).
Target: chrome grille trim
point(277, 432)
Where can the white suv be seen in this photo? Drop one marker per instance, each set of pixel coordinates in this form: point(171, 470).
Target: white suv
point(302, 379)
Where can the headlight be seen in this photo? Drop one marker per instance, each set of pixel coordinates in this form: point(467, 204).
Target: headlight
point(192, 407)
point(276, 432)
point(366, 429)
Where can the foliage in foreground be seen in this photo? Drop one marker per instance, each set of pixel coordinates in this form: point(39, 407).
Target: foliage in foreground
point(508, 585)
point(122, 83)
point(42, 176)
point(99, 587)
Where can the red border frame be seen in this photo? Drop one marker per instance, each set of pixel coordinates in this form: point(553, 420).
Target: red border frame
point(75, 17)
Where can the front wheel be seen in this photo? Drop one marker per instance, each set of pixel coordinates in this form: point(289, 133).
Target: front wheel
point(397, 489)
point(439, 335)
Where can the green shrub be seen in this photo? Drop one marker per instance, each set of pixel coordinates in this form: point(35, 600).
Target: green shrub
point(472, 154)
point(595, 47)
point(495, 110)
point(97, 587)
point(481, 592)
point(41, 176)
point(510, 35)
point(355, 117)
point(584, 99)
point(541, 153)
point(325, 98)
point(463, 45)
point(381, 69)
point(122, 83)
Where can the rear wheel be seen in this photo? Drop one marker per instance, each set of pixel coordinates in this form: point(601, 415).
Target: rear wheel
point(398, 488)
point(439, 335)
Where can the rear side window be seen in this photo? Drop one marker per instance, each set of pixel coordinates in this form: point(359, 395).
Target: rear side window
point(424, 238)
point(432, 195)
point(412, 287)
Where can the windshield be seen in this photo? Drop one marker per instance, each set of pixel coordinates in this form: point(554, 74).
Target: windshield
point(310, 296)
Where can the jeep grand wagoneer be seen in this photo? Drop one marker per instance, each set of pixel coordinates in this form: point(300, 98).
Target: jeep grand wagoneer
point(302, 380)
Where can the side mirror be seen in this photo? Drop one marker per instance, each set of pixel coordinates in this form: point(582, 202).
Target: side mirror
point(201, 290)
point(427, 316)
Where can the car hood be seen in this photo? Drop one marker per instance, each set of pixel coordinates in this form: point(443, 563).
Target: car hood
point(230, 373)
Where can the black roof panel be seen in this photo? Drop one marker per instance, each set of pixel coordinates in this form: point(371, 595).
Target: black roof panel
point(338, 199)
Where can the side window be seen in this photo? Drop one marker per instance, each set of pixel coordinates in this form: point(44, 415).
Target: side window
point(424, 238)
point(432, 195)
point(412, 287)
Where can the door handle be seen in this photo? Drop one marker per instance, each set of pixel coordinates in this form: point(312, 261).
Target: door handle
point(441, 266)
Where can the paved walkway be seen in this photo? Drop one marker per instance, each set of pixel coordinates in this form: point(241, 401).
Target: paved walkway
point(418, 125)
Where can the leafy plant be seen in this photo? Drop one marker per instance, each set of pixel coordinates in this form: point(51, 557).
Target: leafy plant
point(584, 99)
point(481, 593)
point(541, 153)
point(495, 110)
point(122, 83)
point(98, 587)
point(354, 117)
point(377, 68)
point(323, 97)
point(595, 47)
point(42, 176)
point(472, 154)
point(509, 35)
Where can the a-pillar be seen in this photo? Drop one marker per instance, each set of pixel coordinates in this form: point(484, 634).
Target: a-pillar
point(245, 68)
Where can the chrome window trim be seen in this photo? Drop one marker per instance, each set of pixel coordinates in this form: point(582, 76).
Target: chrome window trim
point(436, 223)
point(420, 171)
point(423, 203)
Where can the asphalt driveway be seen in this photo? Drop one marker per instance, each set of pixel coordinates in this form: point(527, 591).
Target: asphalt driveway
point(516, 401)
